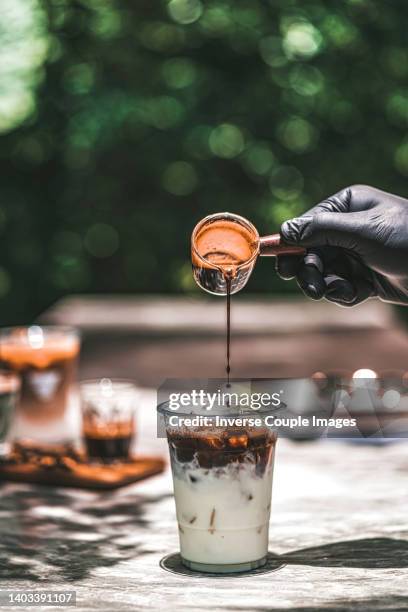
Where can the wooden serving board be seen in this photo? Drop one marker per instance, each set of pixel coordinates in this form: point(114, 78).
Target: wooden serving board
point(72, 470)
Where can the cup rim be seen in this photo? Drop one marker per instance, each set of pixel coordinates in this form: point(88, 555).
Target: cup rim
point(225, 215)
point(124, 383)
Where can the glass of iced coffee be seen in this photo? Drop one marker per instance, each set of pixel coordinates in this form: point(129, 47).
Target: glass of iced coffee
point(45, 358)
point(222, 479)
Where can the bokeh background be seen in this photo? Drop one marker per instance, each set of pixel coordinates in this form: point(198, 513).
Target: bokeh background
point(123, 123)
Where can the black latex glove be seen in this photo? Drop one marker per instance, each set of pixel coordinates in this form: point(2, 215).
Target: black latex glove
point(357, 247)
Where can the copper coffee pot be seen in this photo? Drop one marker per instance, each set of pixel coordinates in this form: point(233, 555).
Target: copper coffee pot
point(224, 249)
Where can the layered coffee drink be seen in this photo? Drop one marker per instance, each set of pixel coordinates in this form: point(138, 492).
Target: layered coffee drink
point(222, 487)
point(108, 419)
point(45, 358)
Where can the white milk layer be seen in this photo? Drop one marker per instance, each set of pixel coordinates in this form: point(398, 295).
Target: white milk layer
point(223, 513)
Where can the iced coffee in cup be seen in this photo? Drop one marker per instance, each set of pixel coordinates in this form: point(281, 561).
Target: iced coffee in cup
point(222, 480)
point(45, 358)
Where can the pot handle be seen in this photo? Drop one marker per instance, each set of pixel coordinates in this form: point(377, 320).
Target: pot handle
point(273, 245)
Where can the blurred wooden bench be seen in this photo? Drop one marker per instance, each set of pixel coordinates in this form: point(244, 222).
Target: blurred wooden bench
point(153, 337)
point(179, 315)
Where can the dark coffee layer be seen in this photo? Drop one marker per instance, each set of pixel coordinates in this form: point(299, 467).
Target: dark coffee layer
point(218, 448)
point(108, 449)
point(108, 441)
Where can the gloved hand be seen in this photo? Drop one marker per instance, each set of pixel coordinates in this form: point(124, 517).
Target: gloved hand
point(357, 247)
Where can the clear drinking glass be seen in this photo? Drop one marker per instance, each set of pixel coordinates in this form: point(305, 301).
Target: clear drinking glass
point(222, 479)
point(108, 417)
point(9, 388)
point(45, 358)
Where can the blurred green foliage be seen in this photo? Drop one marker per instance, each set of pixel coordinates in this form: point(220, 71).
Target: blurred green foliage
point(124, 123)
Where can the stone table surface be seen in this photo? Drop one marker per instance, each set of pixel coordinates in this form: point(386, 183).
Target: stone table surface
point(339, 520)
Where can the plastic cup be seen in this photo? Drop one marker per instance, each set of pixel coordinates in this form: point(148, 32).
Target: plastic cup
point(222, 477)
